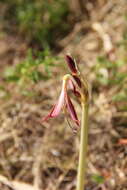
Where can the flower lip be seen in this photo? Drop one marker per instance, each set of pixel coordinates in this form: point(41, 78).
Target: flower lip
point(71, 64)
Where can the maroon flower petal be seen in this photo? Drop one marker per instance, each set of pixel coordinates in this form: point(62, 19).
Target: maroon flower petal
point(71, 110)
point(71, 64)
point(78, 81)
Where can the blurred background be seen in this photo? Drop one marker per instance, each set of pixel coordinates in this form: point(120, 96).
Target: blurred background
point(35, 36)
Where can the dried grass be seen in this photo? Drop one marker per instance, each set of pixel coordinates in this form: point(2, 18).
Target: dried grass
point(37, 156)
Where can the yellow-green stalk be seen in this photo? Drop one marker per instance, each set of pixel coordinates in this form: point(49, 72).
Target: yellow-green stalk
point(83, 148)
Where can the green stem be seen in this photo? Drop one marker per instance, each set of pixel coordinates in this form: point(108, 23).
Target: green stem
point(83, 148)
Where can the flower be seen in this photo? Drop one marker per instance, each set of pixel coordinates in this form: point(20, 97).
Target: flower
point(64, 101)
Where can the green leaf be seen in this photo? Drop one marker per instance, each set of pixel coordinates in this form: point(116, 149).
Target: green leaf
point(104, 62)
point(36, 76)
point(28, 93)
point(121, 96)
point(98, 179)
point(9, 71)
point(118, 78)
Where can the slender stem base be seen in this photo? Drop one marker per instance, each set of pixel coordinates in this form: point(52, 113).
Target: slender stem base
point(83, 148)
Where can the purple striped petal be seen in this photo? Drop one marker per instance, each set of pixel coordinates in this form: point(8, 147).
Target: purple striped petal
point(71, 110)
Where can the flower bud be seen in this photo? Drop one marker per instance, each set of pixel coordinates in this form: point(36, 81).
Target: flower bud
point(71, 64)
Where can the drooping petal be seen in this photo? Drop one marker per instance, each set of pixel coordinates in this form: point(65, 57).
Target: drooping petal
point(57, 107)
point(71, 110)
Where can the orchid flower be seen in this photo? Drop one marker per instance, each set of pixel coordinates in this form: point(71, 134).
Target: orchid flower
point(64, 101)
